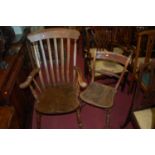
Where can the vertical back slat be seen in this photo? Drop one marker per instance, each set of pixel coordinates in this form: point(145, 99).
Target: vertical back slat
point(56, 59)
point(59, 46)
point(123, 72)
point(150, 43)
point(34, 92)
point(30, 53)
point(137, 52)
point(74, 59)
point(93, 64)
point(68, 59)
point(44, 61)
point(37, 86)
point(62, 60)
point(37, 59)
point(51, 61)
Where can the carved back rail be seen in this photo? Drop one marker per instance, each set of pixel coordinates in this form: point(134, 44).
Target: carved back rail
point(114, 57)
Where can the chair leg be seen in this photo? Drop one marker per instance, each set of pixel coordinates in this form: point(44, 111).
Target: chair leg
point(107, 121)
point(79, 118)
point(125, 80)
point(38, 120)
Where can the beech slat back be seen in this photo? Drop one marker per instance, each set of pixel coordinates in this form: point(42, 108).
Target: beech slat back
point(55, 52)
point(114, 57)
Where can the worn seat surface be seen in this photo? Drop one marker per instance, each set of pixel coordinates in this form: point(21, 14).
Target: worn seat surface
point(58, 99)
point(99, 95)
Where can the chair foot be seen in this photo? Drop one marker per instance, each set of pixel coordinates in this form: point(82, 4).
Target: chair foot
point(79, 118)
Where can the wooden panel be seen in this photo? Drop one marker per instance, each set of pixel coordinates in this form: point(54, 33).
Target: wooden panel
point(11, 94)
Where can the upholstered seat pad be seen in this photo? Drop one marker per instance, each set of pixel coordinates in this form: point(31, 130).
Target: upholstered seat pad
point(58, 99)
point(145, 118)
point(107, 66)
point(99, 95)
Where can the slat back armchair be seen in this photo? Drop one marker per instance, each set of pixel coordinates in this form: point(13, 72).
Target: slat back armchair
point(55, 80)
point(98, 93)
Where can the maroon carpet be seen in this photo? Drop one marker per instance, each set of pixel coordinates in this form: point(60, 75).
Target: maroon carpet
point(92, 117)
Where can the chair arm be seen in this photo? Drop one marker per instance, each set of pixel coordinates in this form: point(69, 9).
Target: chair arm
point(81, 81)
point(27, 82)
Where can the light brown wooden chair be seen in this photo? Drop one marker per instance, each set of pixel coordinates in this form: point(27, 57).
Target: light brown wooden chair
point(98, 93)
point(56, 79)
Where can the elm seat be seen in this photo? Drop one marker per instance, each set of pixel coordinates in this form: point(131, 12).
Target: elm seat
point(101, 95)
point(63, 97)
point(145, 118)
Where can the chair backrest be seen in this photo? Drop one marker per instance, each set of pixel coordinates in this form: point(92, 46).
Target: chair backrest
point(144, 47)
point(147, 76)
point(113, 57)
point(54, 52)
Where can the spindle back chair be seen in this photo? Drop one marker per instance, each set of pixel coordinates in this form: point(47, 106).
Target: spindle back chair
point(56, 89)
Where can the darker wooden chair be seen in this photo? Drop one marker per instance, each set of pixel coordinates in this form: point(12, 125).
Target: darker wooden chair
point(98, 93)
point(56, 79)
point(143, 53)
point(145, 115)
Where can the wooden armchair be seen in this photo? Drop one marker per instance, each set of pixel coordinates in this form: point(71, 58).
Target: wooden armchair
point(98, 93)
point(56, 79)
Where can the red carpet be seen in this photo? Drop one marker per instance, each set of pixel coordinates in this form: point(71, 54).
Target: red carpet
point(92, 117)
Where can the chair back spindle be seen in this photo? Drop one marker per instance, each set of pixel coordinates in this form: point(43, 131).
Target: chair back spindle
point(113, 57)
point(55, 52)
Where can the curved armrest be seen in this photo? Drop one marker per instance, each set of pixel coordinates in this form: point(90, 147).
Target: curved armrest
point(27, 82)
point(81, 81)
